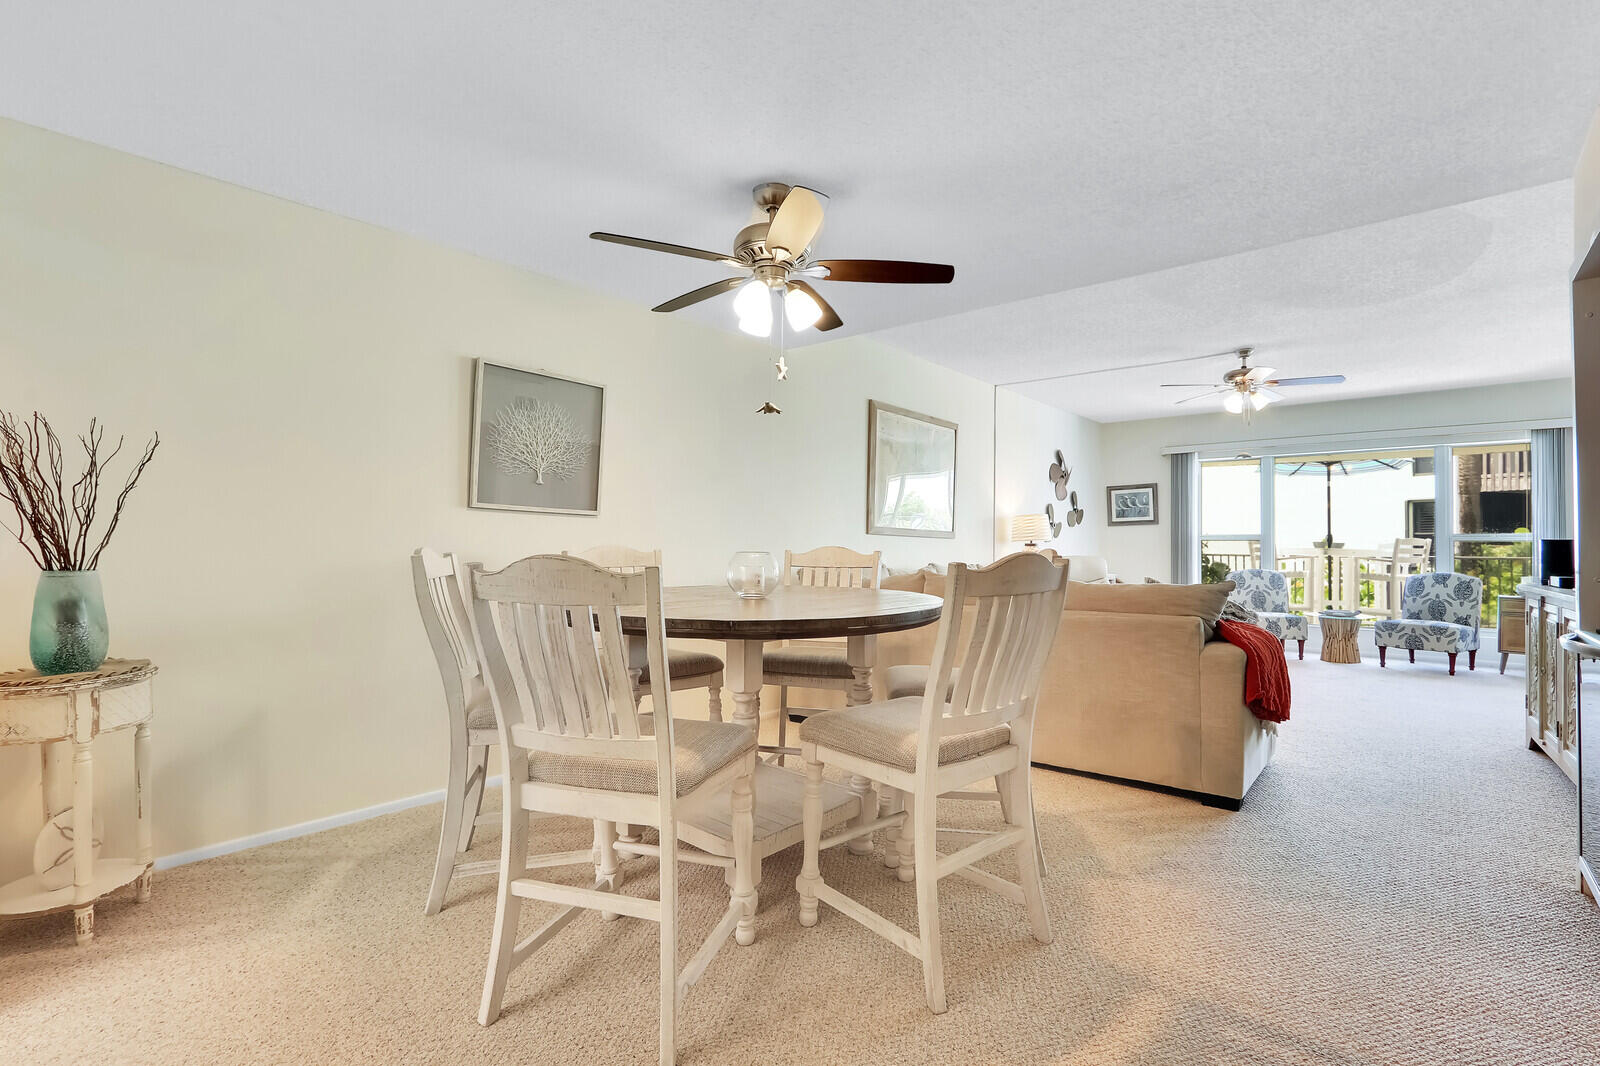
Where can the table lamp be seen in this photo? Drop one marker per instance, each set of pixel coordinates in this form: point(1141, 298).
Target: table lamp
point(1030, 528)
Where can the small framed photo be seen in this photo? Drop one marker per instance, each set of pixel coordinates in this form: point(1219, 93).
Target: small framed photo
point(911, 473)
point(1131, 505)
point(535, 441)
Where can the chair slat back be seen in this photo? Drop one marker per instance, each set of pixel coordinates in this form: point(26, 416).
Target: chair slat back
point(439, 583)
point(1018, 603)
point(620, 559)
point(832, 567)
point(550, 627)
point(1411, 553)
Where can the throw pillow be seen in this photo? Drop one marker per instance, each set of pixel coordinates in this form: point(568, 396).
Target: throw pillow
point(1238, 612)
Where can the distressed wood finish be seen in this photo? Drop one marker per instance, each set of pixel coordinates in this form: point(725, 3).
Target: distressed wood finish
point(438, 581)
point(64, 713)
point(831, 568)
point(1017, 605)
point(715, 612)
point(549, 633)
point(624, 560)
point(1551, 694)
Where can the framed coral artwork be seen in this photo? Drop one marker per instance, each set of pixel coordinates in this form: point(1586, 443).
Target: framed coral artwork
point(535, 441)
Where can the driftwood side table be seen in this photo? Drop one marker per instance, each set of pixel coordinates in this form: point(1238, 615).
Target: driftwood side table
point(64, 713)
point(1339, 632)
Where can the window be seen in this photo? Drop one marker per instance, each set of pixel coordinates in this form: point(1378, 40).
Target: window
point(1492, 501)
point(1230, 517)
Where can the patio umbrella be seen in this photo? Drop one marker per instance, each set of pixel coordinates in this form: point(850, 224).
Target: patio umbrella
point(1328, 467)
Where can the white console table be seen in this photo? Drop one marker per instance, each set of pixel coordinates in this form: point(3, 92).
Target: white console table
point(1551, 695)
point(64, 713)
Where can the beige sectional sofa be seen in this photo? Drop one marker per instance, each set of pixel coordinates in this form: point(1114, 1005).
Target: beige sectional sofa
point(1135, 688)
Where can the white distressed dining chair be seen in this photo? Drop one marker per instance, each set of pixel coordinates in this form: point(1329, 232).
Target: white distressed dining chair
point(816, 664)
point(438, 580)
point(549, 632)
point(922, 747)
point(687, 669)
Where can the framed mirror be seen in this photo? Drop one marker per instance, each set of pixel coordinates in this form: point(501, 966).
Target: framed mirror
point(911, 473)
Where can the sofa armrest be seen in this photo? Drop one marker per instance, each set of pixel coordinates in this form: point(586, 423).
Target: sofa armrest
point(1236, 744)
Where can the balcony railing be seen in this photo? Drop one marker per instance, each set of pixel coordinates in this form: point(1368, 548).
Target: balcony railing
point(1500, 566)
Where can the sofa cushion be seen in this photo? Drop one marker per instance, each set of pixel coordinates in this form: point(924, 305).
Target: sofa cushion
point(912, 582)
point(1201, 601)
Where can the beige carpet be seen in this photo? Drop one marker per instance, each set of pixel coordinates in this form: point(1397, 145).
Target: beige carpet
point(1397, 889)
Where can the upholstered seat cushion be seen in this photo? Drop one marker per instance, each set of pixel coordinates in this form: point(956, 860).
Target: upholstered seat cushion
point(480, 711)
point(1283, 625)
point(1422, 634)
point(699, 749)
point(686, 664)
point(887, 733)
point(900, 681)
point(806, 662)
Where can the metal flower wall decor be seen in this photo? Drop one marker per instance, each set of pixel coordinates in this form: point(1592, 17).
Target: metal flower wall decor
point(1060, 474)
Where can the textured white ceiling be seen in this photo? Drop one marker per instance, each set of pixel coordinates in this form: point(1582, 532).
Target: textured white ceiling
point(1471, 295)
point(1037, 146)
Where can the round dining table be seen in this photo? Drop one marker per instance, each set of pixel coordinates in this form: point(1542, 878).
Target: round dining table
point(791, 612)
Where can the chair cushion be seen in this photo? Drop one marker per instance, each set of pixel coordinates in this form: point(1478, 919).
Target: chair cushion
point(900, 681)
point(686, 664)
point(1421, 634)
point(1260, 590)
point(480, 712)
point(802, 662)
point(1284, 626)
point(699, 749)
point(887, 733)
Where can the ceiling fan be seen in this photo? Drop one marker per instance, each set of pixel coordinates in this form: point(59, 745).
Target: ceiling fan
point(773, 252)
point(1250, 388)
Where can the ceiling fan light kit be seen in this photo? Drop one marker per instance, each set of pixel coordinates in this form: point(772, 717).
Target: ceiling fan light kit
point(775, 251)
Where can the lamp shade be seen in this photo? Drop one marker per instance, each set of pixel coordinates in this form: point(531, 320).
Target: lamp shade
point(1030, 527)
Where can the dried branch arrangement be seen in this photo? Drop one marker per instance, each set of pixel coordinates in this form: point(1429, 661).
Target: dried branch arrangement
point(55, 519)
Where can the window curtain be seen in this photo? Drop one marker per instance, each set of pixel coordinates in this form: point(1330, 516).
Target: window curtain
point(1552, 484)
point(1185, 511)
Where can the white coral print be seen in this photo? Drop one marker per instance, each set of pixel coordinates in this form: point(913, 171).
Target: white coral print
point(537, 437)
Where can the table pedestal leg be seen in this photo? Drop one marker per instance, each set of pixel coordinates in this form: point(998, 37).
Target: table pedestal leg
point(82, 842)
point(859, 651)
point(743, 676)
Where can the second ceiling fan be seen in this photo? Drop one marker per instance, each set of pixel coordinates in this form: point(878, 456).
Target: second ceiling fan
point(1250, 388)
point(774, 253)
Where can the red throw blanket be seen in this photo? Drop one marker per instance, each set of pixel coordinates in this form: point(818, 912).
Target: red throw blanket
point(1266, 670)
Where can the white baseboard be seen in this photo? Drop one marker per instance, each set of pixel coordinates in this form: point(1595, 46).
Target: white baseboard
point(316, 825)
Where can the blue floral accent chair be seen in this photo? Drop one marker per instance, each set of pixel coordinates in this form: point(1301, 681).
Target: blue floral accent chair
point(1266, 592)
point(1438, 612)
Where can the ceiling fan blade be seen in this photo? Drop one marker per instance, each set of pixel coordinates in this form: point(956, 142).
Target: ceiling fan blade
point(830, 318)
point(704, 292)
point(890, 271)
point(1197, 396)
point(795, 225)
point(1324, 379)
point(671, 249)
point(1261, 373)
point(1191, 385)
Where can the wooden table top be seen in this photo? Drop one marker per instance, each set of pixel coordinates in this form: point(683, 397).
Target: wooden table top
point(715, 612)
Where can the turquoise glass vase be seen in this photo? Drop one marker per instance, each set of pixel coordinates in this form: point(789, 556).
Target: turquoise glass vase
point(69, 633)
